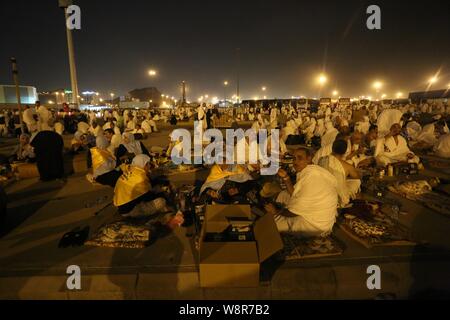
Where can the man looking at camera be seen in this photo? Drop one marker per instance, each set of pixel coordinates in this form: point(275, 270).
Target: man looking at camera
point(311, 203)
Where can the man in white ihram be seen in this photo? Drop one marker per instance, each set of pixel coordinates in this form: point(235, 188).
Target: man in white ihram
point(311, 203)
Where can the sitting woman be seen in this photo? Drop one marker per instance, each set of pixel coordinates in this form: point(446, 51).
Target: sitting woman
point(103, 164)
point(227, 184)
point(24, 151)
point(129, 149)
point(134, 198)
point(79, 142)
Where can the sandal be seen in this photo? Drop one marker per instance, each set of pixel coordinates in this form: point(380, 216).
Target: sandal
point(66, 240)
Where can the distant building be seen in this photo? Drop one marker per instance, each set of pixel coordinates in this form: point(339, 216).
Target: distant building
point(8, 98)
point(430, 96)
point(151, 95)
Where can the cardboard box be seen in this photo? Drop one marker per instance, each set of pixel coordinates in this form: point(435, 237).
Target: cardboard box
point(235, 264)
point(26, 170)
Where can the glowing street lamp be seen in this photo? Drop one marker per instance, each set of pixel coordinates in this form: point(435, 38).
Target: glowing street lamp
point(152, 73)
point(322, 79)
point(433, 80)
point(383, 96)
point(225, 83)
point(335, 93)
point(377, 85)
point(399, 95)
point(263, 88)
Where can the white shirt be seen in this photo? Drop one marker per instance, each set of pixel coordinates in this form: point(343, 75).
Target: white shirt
point(315, 197)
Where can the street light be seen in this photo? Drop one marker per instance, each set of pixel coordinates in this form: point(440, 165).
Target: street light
point(152, 73)
point(433, 80)
point(399, 95)
point(377, 85)
point(225, 83)
point(322, 79)
point(263, 88)
point(383, 96)
point(335, 93)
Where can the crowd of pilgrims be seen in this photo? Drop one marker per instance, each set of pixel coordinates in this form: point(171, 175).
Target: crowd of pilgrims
point(336, 143)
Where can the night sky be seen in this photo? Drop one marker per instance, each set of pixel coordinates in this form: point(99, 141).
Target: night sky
point(283, 46)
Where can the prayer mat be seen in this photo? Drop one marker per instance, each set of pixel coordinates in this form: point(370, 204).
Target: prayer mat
point(422, 192)
point(297, 247)
point(122, 234)
point(368, 225)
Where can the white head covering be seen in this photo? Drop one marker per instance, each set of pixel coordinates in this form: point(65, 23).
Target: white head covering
point(427, 134)
point(140, 161)
point(413, 129)
point(386, 119)
point(132, 146)
point(101, 142)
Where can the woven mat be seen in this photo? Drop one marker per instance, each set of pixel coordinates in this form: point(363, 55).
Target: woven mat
point(298, 248)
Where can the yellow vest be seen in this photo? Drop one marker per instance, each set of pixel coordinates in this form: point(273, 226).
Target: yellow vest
point(99, 157)
point(217, 173)
point(131, 185)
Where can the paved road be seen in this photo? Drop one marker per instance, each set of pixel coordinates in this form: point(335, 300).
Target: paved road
point(33, 267)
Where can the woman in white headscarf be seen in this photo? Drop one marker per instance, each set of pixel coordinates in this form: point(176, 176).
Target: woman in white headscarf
point(311, 127)
point(79, 141)
point(427, 137)
point(330, 134)
point(290, 129)
point(442, 146)
point(129, 148)
point(320, 128)
point(103, 164)
point(413, 129)
point(134, 197)
point(363, 126)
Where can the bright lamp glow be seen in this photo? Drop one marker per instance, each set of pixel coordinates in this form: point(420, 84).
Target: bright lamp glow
point(433, 80)
point(322, 79)
point(377, 84)
point(152, 73)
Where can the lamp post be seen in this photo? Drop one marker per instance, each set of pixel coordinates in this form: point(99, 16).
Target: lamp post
point(152, 74)
point(225, 84)
point(64, 4)
point(322, 79)
point(15, 73)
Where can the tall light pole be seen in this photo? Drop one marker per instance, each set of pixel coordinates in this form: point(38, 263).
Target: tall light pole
point(225, 84)
point(377, 85)
point(15, 73)
point(152, 74)
point(322, 79)
point(238, 51)
point(64, 4)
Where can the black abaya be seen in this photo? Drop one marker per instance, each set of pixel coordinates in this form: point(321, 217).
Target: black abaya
point(48, 147)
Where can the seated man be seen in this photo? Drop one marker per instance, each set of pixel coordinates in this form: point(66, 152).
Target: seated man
point(394, 148)
point(341, 170)
point(311, 202)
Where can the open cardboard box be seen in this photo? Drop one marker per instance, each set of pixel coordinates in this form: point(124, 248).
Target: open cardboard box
point(235, 264)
